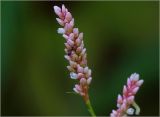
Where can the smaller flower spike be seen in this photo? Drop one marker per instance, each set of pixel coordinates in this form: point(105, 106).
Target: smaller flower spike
point(127, 100)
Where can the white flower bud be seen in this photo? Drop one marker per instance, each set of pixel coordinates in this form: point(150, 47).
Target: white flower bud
point(61, 30)
point(73, 75)
point(130, 111)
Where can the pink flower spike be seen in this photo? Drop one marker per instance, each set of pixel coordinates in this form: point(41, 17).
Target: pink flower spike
point(75, 51)
point(127, 100)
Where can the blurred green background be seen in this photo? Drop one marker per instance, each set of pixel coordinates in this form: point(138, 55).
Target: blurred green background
point(121, 38)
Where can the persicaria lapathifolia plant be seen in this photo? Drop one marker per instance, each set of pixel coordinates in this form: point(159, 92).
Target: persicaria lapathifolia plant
point(75, 54)
point(79, 70)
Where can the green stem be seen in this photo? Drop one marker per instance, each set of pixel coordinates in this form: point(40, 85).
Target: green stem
point(136, 107)
point(90, 109)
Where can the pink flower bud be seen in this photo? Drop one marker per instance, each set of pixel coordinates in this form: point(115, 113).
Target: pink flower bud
point(67, 57)
point(60, 21)
point(134, 77)
point(63, 9)
point(74, 57)
point(88, 74)
point(82, 44)
point(68, 28)
point(73, 64)
point(65, 36)
point(119, 100)
point(78, 87)
point(72, 22)
point(78, 42)
point(130, 99)
point(80, 69)
point(85, 69)
point(83, 81)
point(79, 49)
point(139, 83)
point(123, 107)
point(80, 75)
point(128, 82)
point(114, 112)
point(89, 80)
point(124, 89)
point(68, 46)
point(75, 31)
point(70, 69)
point(80, 36)
point(83, 51)
point(70, 42)
point(71, 36)
point(134, 91)
point(74, 89)
point(57, 10)
point(68, 16)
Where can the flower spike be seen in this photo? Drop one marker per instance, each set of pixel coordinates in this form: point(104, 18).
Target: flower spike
point(127, 100)
point(75, 51)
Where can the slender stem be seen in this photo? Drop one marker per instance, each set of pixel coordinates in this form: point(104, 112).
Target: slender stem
point(136, 107)
point(90, 109)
